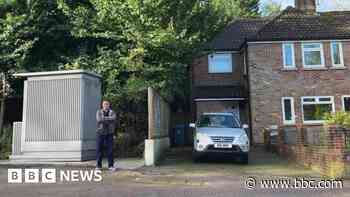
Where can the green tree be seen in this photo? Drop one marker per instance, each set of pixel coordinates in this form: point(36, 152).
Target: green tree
point(271, 8)
point(132, 43)
point(144, 43)
point(34, 36)
point(14, 47)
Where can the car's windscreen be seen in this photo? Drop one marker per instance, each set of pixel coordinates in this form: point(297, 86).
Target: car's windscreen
point(218, 121)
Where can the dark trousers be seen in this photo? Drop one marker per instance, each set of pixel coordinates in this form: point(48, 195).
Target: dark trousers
point(106, 140)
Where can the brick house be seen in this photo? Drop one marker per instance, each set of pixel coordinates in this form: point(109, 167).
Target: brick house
point(285, 71)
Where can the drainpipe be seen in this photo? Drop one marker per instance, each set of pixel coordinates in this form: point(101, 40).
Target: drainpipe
point(249, 95)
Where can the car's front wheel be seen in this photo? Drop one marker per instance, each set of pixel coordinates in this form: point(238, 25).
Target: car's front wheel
point(244, 158)
point(195, 157)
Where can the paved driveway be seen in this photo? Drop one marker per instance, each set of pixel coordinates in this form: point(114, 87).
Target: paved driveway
point(178, 176)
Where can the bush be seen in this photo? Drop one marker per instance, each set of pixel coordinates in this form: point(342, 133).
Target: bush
point(336, 169)
point(338, 118)
point(129, 139)
point(341, 119)
point(127, 145)
point(131, 133)
point(5, 142)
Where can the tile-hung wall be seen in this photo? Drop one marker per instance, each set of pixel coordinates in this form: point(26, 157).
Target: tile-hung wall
point(306, 77)
point(218, 69)
point(203, 74)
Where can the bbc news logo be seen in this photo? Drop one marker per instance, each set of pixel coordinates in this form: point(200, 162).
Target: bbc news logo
point(50, 175)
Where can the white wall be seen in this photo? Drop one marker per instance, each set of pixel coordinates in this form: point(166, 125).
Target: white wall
point(155, 149)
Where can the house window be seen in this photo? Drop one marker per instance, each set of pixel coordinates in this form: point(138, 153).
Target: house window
point(288, 56)
point(314, 108)
point(288, 110)
point(220, 63)
point(337, 54)
point(346, 103)
point(313, 55)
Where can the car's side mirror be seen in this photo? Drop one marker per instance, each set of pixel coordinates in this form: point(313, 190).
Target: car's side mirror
point(245, 126)
point(193, 125)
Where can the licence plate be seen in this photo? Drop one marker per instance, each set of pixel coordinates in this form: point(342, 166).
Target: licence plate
point(222, 145)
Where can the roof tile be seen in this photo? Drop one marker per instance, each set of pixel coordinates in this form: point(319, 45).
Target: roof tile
point(294, 24)
point(291, 24)
point(235, 34)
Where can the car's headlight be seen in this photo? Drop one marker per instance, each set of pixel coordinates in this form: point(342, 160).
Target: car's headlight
point(243, 142)
point(243, 139)
point(202, 138)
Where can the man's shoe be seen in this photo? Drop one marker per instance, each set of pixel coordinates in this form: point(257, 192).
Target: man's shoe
point(112, 169)
point(98, 168)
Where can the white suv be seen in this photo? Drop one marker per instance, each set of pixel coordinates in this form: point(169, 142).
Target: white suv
point(220, 133)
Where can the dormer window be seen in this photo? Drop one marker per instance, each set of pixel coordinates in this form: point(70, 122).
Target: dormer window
point(313, 55)
point(220, 63)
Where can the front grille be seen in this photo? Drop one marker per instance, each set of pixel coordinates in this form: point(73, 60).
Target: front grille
point(234, 148)
point(222, 139)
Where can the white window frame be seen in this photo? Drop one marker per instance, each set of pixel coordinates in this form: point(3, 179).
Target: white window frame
point(342, 101)
point(321, 50)
point(285, 66)
point(288, 122)
point(341, 65)
point(211, 65)
point(316, 102)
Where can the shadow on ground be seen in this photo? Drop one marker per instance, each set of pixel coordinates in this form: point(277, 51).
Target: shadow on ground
point(179, 161)
point(177, 168)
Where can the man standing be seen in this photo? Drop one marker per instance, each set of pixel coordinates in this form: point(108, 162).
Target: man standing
point(106, 119)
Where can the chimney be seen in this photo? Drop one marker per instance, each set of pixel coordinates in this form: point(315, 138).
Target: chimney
point(309, 6)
